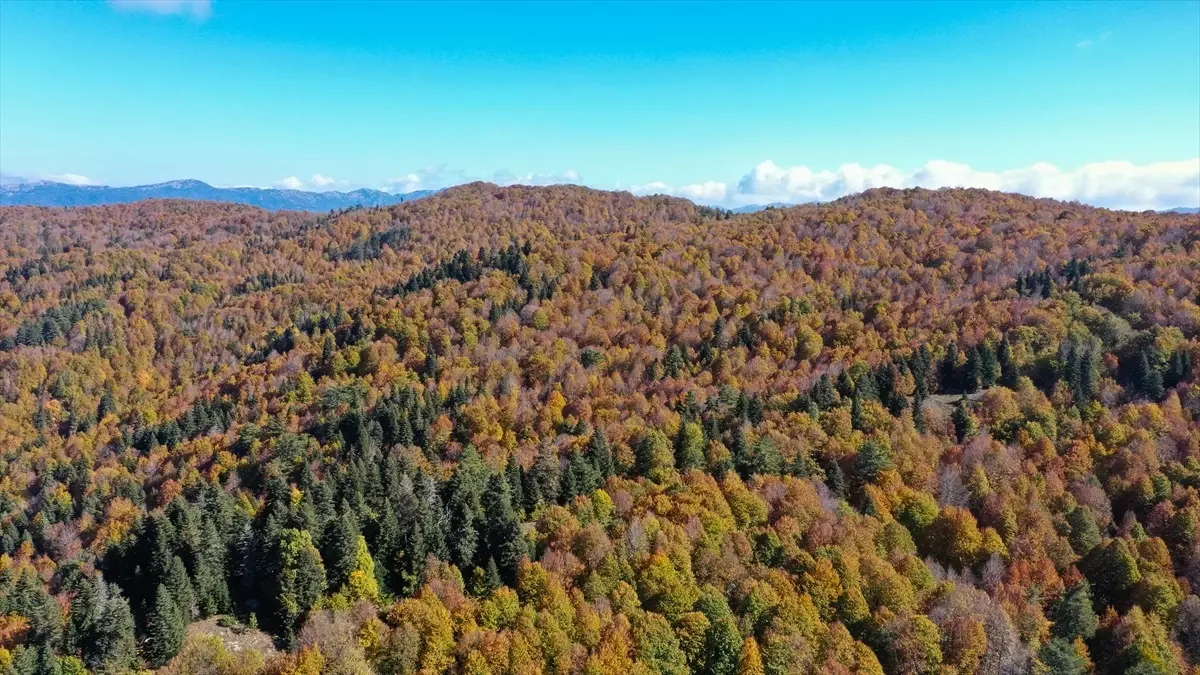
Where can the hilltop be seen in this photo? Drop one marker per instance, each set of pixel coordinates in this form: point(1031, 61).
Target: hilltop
point(556, 429)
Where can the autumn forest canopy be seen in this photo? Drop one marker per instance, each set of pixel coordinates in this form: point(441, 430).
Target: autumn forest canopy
point(556, 430)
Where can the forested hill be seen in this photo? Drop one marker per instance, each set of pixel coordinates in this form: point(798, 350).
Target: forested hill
point(558, 430)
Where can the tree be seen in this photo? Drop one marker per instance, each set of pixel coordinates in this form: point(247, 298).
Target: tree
point(115, 645)
point(600, 454)
point(873, 458)
point(1064, 658)
point(1008, 369)
point(301, 580)
point(339, 547)
point(361, 583)
point(166, 628)
point(989, 365)
point(506, 544)
point(1073, 615)
point(950, 379)
point(461, 516)
point(1112, 569)
point(750, 660)
point(1149, 378)
point(654, 456)
point(965, 424)
point(1085, 533)
point(724, 648)
point(856, 412)
point(972, 375)
point(180, 586)
point(689, 447)
point(824, 394)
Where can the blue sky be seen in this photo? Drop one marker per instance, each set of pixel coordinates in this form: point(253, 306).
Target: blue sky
point(671, 97)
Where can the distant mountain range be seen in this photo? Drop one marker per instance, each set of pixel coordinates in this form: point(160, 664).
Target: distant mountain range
point(1184, 209)
point(755, 208)
point(47, 193)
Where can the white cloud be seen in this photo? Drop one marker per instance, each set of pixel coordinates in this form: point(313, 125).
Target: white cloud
point(318, 183)
point(70, 179)
point(508, 178)
point(1115, 184)
point(440, 176)
point(1091, 42)
point(429, 178)
point(200, 9)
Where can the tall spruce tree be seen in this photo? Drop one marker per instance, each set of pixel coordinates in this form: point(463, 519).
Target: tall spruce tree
point(165, 628)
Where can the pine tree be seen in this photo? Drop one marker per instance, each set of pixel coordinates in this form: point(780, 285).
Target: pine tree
point(824, 394)
point(506, 544)
point(166, 629)
point(114, 644)
point(835, 479)
point(873, 459)
point(972, 377)
point(949, 372)
point(462, 524)
point(180, 586)
point(856, 413)
point(600, 454)
point(1073, 615)
point(989, 365)
point(362, 583)
point(1008, 369)
point(212, 589)
point(546, 474)
point(689, 447)
point(514, 476)
point(965, 424)
point(1150, 381)
point(301, 579)
point(1062, 658)
point(492, 576)
point(433, 518)
point(341, 539)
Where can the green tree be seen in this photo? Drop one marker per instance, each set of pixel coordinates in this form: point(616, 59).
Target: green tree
point(338, 547)
point(301, 579)
point(1085, 533)
point(724, 647)
point(1073, 615)
point(965, 424)
point(873, 458)
point(166, 628)
point(654, 455)
point(180, 586)
point(1149, 378)
point(689, 447)
point(1008, 369)
point(506, 544)
point(989, 365)
point(1062, 658)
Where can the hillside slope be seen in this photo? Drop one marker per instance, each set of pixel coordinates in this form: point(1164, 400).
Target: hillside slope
point(557, 429)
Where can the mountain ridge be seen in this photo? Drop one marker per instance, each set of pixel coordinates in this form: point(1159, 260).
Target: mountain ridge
point(51, 193)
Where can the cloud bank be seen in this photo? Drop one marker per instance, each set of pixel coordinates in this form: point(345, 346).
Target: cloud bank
point(1116, 184)
point(317, 183)
point(440, 176)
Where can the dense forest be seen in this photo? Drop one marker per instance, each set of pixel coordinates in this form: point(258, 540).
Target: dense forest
point(557, 430)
